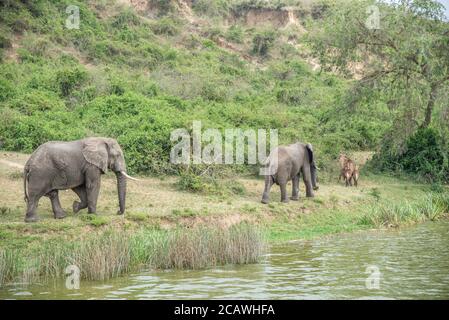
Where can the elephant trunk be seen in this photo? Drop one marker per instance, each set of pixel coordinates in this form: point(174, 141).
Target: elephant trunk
point(121, 189)
point(313, 170)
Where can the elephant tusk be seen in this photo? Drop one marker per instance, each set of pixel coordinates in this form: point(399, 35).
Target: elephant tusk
point(129, 177)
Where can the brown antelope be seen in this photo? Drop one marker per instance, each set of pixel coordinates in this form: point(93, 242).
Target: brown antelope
point(349, 171)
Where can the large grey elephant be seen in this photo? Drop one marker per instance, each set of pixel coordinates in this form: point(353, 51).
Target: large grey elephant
point(76, 165)
point(286, 163)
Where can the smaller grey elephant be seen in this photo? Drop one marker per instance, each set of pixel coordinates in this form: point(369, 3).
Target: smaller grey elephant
point(286, 163)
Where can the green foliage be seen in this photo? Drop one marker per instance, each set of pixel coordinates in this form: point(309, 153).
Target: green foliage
point(211, 8)
point(165, 26)
point(6, 90)
point(191, 182)
point(94, 220)
point(408, 80)
point(388, 214)
point(70, 79)
point(262, 42)
point(235, 34)
point(425, 156)
point(134, 79)
point(200, 183)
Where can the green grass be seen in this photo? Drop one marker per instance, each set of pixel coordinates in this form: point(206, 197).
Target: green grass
point(389, 214)
point(94, 220)
point(137, 216)
point(368, 214)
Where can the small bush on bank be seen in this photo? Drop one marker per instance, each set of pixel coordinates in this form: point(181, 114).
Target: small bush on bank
point(262, 42)
point(211, 8)
point(165, 26)
point(424, 155)
point(70, 79)
point(94, 220)
point(235, 34)
point(192, 182)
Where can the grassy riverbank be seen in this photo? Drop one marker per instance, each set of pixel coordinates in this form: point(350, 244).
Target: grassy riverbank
point(168, 228)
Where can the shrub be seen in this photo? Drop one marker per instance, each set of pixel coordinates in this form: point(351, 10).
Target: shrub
point(137, 216)
point(7, 89)
point(125, 19)
point(165, 26)
point(235, 34)
point(190, 182)
point(36, 101)
point(70, 78)
point(424, 156)
point(262, 42)
point(211, 8)
point(201, 183)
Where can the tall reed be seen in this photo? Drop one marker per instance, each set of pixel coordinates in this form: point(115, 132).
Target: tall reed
point(115, 252)
point(388, 214)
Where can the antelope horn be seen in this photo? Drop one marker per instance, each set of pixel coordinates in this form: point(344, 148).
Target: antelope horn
point(129, 177)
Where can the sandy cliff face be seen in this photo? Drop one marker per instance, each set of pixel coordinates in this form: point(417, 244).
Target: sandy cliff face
point(252, 17)
point(140, 6)
point(263, 16)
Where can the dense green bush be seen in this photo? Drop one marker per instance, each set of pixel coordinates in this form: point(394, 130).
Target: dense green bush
point(235, 33)
point(262, 42)
point(424, 155)
point(193, 182)
point(166, 26)
point(70, 79)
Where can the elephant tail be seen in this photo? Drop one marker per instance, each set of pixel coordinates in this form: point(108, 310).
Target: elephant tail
point(25, 180)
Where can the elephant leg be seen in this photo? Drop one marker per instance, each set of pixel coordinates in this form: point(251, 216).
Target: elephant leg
point(58, 212)
point(307, 178)
point(82, 194)
point(295, 188)
point(266, 191)
point(93, 181)
point(284, 195)
point(31, 214)
point(37, 188)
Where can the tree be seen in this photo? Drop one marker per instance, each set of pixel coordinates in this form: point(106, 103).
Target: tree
point(404, 52)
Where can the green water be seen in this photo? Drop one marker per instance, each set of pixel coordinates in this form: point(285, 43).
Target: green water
point(412, 263)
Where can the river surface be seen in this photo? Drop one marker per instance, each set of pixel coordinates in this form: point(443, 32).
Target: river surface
point(410, 263)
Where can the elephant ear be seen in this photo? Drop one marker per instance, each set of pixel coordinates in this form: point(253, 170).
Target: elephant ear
point(310, 152)
point(96, 153)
